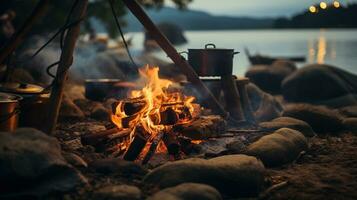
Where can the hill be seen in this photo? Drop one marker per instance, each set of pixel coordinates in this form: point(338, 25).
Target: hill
point(198, 20)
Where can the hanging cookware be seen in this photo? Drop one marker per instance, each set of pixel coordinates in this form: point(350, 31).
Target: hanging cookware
point(211, 61)
point(101, 89)
point(9, 110)
point(33, 104)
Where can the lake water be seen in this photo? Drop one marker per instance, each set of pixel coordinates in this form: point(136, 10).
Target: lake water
point(331, 46)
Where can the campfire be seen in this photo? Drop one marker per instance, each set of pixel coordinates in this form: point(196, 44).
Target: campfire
point(150, 114)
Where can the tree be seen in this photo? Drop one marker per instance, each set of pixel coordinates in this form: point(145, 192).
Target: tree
point(58, 10)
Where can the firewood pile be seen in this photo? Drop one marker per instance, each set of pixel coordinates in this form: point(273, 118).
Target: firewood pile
point(157, 118)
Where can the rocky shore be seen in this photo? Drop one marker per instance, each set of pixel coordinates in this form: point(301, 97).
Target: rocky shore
point(310, 152)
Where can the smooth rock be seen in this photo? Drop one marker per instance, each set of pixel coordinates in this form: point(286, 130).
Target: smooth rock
point(96, 65)
point(288, 122)
point(36, 66)
point(117, 192)
point(72, 145)
point(350, 124)
point(281, 147)
point(318, 82)
point(348, 111)
point(234, 175)
point(264, 105)
point(320, 118)
point(236, 146)
point(69, 110)
point(75, 160)
point(116, 165)
point(338, 102)
point(99, 112)
point(34, 159)
point(269, 77)
point(188, 191)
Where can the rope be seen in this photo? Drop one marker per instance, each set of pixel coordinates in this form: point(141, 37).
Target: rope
point(121, 32)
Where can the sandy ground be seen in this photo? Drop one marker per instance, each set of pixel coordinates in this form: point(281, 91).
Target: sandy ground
point(327, 171)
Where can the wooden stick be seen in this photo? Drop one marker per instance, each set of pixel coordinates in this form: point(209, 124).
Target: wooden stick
point(272, 189)
point(137, 145)
point(171, 52)
point(233, 105)
point(153, 148)
point(95, 138)
point(172, 144)
point(62, 70)
point(26, 27)
point(247, 109)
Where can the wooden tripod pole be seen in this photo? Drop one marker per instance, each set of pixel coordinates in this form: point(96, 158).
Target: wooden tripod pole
point(166, 45)
point(63, 66)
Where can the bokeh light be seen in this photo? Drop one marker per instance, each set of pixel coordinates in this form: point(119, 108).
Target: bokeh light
point(312, 9)
point(336, 4)
point(323, 5)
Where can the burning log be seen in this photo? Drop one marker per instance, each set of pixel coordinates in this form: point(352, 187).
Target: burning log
point(203, 127)
point(169, 117)
point(155, 142)
point(126, 122)
point(137, 145)
point(172, 144)
point(133, 106)
point(95, 139)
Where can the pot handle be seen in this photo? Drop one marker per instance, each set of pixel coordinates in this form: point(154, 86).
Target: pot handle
point(210, 44)
point(237, 52)
point(183, 52)
point(4, 118)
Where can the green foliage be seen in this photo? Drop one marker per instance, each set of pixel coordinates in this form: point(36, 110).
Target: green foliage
point(58, 10)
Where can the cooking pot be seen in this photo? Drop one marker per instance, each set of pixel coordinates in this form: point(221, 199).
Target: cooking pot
point(33, 103)
point(9, 110)
point(100, 89)
point(211, 61)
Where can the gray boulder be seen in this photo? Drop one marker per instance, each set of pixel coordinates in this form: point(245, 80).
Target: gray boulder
point(188, 191)
point(318, 82)
point(117, 192)
point(34, 160)
point(288, 122)
point(69, 109)
point(281, 147)
point(234, 175)
point(264, 105)
point(116, 165)
point(269, 77)
point(348, 111)
point(320, 118)
point(350, 124)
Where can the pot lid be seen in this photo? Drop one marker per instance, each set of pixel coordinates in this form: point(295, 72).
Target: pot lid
point(21, 88)
point(211, 47)
point(6, 97)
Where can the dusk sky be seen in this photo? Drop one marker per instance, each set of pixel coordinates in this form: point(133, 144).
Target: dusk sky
point(258, 8)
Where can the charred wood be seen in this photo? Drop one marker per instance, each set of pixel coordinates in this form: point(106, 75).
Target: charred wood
point(172, 144)
point(203, 127)
point(155, 142)
point(137, 145)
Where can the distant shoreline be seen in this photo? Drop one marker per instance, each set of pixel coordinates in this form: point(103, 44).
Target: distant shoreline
point(262, 29)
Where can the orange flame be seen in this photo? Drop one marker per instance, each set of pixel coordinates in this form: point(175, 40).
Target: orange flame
point(157, 99)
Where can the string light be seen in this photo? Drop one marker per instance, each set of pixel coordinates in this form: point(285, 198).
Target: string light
point(336, 4)
point(323, 5)
point(312, 9)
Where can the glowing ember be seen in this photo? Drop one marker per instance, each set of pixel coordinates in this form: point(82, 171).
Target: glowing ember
point(155, 107)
